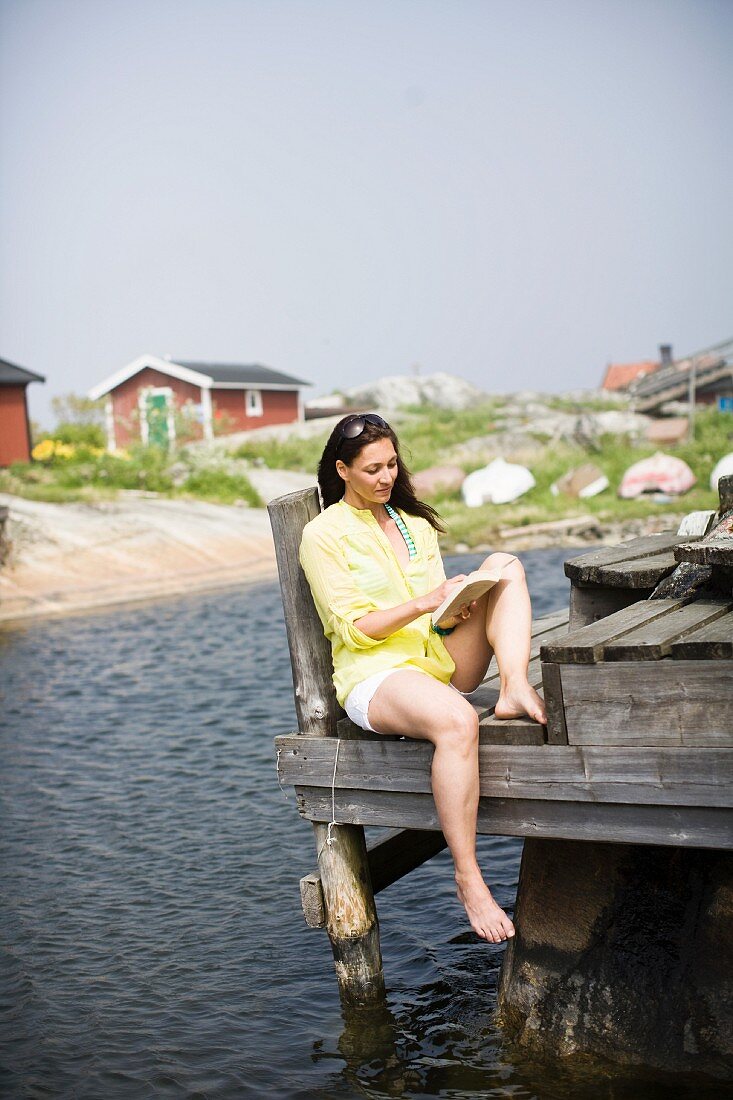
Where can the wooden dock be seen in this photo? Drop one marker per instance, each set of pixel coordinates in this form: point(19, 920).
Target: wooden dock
point(638, 751)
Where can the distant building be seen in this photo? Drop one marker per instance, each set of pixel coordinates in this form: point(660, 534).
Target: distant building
point(160, 401)
point(619, 376)
point(15, 431)
point(709, 373)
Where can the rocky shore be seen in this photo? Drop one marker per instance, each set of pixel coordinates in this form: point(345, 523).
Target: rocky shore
point(64, 558)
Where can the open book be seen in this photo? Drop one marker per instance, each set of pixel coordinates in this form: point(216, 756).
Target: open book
point(475, 584)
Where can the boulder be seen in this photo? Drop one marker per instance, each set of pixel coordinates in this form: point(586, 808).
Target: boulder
point(445, 391)
point(667, 431)
point(430, 481)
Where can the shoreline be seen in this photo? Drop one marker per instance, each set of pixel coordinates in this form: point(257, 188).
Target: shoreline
point(79, 558)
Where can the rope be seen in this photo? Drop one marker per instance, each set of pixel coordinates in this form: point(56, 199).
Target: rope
point(330, 840)
point(279, 781)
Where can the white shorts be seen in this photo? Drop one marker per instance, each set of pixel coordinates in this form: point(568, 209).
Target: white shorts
point(357, 701)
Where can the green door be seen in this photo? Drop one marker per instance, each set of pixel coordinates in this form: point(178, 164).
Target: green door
point(156, 414)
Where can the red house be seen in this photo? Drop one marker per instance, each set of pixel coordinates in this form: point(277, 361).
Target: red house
point(163, 400)
point(15, 432)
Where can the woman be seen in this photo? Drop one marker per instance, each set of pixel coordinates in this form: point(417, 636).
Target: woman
point(374, 567)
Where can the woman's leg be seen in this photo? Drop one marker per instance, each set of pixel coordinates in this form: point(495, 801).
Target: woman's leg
point(419, 706)
point(501, 625)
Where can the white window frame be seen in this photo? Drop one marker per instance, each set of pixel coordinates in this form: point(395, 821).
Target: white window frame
point(253, 402)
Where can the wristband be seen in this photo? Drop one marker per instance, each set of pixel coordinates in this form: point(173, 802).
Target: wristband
point(442, 630)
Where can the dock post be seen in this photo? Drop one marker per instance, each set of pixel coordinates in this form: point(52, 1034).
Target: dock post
point(351, 914)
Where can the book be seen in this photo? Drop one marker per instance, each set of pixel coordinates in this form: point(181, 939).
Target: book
point(474, 586)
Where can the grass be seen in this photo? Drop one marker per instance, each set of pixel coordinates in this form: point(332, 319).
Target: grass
point(426, 434)
point(86, 476)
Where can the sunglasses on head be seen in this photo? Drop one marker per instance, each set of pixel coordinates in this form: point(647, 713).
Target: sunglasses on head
point(353, 426)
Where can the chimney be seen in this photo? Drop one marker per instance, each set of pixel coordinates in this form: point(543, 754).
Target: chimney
point(665, 355)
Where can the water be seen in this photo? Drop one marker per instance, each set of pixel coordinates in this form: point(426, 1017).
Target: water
point(152, 938)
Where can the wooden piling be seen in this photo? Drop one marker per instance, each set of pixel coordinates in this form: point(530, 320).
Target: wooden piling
point(350, 912)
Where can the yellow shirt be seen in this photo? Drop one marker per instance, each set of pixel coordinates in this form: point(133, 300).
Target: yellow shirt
point(352, 569)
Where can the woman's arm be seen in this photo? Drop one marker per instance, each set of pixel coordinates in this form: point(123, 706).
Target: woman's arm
point(380, 624)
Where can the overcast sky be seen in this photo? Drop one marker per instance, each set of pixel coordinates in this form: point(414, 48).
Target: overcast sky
point(513, 192)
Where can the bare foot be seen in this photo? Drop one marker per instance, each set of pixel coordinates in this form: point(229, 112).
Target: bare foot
point(488, 920)
point(517, 699)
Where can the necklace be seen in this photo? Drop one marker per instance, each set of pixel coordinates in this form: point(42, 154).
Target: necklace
point(402, 530)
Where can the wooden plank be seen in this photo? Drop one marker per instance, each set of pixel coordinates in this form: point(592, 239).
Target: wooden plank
point(679, 776)
point(585, 646)
point(689, 826)
point(312, 901)
point(718, 551)
point(583, 569)
point(557, 733)
point(712, 642)
point(310, 652)
point(642, 573)
point(653, 640)
point(637, 703)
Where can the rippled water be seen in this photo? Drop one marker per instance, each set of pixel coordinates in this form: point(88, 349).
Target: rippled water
point(152, 938)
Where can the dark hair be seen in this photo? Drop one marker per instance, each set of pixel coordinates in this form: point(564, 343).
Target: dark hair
point(333, 487)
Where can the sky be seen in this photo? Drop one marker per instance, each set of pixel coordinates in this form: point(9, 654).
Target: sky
point(513, 192)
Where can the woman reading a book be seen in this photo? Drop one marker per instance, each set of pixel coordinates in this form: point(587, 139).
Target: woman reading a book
point(376, 574)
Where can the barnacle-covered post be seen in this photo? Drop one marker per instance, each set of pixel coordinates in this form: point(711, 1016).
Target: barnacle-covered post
point(350, 912)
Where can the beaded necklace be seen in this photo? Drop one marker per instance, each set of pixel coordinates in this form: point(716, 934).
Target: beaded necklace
point(402, 530)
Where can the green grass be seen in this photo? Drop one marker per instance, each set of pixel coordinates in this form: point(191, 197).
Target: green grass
point(425, 437)
point(87, 477)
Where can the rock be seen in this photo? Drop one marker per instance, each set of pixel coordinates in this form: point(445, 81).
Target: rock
point(276, 483)
point(498, 483)
point(430, 481)
point(667, 431)
point(445, 391)
point(619, 422)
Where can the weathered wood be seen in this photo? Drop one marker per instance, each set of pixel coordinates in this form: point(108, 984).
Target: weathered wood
point(585, 646)
point(665, 703)
point(391, 857)
point(310, 653)
point(653, 640)
point(585, 568)
point(672, 776)
point(719, 551)
point(623, 952)
point(557, 733)
point(350, 912)
point(641, 573)
point(588, 604)
point(686, 826)
point(311, 899)
point(351, 915)
point(712, 642)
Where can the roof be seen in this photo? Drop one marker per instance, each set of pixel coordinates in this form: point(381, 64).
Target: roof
point(249, 374)
point(619, 376)
point(10, 375)
point(205, 375)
